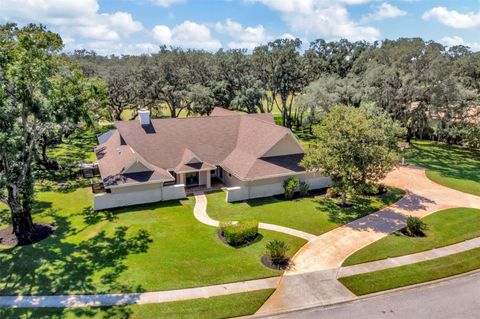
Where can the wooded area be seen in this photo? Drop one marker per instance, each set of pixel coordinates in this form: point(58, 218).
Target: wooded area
point(432, 90)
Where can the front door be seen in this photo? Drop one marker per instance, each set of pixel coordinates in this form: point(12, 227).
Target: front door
point(191, 178)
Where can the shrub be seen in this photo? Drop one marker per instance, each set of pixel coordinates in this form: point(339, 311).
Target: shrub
point(290, 186)
point(277, 250)
point(332, 193)
point(239, 233)
point(415, 226)
point(303, 188)
point(374, 189)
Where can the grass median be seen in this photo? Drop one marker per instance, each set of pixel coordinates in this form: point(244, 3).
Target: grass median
point(376, 281)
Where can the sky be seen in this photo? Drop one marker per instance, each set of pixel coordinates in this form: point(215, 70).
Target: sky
point(141, 26)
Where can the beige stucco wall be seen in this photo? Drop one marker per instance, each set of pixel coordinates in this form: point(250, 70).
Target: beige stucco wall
point(138, 195)
point(136, 187)
point(230, 180)
point(273, 186)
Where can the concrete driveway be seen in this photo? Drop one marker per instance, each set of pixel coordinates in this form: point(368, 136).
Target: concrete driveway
point(312, 279)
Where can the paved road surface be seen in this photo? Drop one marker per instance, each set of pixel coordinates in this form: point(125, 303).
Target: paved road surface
point(457, 298)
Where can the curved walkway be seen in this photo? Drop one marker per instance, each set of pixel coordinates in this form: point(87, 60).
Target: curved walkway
point(137, 298)
point(313, 278)
point(200, 212)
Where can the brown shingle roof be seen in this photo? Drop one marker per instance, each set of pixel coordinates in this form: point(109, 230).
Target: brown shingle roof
point(232, 140)
point(114, 158)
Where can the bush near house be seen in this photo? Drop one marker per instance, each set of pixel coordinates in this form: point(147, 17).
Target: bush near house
point(277, 251)
point(290, 186)
point(239, 233)
point(304, 188)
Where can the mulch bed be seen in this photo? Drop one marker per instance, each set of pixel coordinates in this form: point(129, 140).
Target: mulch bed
point(40, 232)
point(346, 205)
point(268, 263)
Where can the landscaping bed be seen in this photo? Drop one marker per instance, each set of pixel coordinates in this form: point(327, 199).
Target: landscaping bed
point(445, 228)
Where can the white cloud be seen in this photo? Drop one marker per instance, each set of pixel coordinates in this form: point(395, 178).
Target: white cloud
point(123, 22)
point(243, 38)
point(453, 18)
point(384, 11)
point(71, 18)
point(188, 34)
point(322, 18)
point(162, 34)
point(288, 36)
point(118, 48)
point(456, 40)
point(166, 3)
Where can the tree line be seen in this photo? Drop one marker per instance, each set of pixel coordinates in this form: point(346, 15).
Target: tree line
point(432, 90)
point(44, 94)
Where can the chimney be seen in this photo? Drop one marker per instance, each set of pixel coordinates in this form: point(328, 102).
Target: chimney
point(144, 116)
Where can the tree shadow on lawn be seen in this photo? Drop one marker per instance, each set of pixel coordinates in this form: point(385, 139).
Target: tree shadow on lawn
point(448, 160)
point(364, 205)
point(91, 217)
point(117, 312)
point(390, 220)
point(54, 266)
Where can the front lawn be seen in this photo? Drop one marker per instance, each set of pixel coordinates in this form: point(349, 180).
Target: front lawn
point(445, 228)
point(413, 274)
point(215, 307)
point(315, 215)
point(449, 165)
point(151, 247)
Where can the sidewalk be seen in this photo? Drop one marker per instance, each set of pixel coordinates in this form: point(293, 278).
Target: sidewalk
point(137, 298)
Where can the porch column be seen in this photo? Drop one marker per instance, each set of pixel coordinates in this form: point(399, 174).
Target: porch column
point(209, 182)
point(181, 178)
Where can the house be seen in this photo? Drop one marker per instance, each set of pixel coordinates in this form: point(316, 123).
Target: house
point(161, 159)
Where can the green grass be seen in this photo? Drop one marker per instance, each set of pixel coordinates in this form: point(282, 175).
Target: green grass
point(413, 274)
point(315, 215)
point(215, 307)
point(445, 228)
point(151, 247)
point(449, 165)
point(78, 147)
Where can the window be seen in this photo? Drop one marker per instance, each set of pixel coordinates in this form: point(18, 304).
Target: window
point(191, 178)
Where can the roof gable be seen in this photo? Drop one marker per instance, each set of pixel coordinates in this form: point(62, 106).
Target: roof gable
point(137, 166)
point(287, 145)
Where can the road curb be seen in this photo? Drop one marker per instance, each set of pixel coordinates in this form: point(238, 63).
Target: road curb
point(369, 296)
